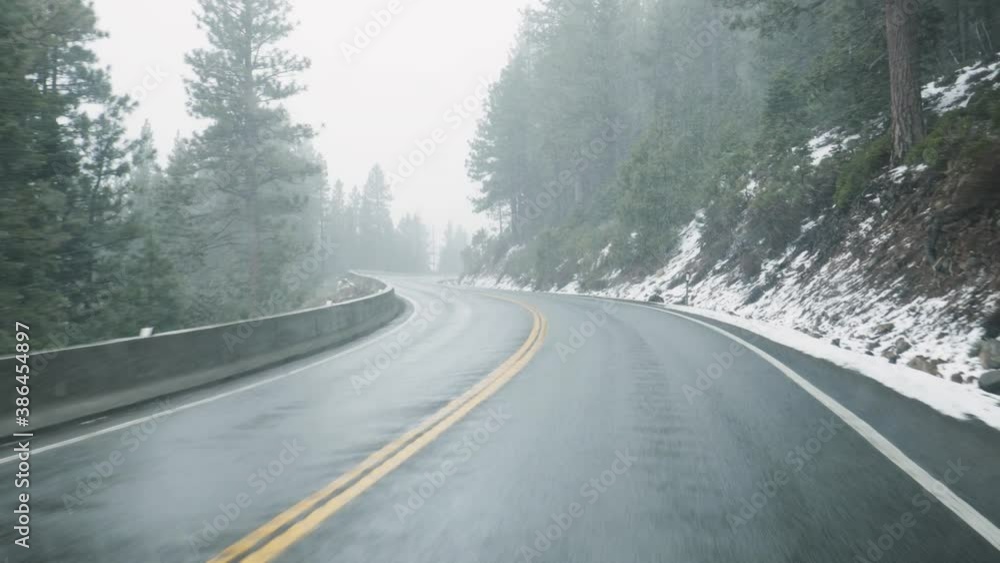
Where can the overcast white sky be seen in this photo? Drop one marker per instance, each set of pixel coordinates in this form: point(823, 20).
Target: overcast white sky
point(375, 108)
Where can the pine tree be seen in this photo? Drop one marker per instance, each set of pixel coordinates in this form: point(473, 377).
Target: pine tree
point(247, 151)
point(97, 220)
point(375, 228)
point(353, 254)
point(61, 169)
point(904, 79)
point(413, 243)
point(455, 242)
point(333, 229)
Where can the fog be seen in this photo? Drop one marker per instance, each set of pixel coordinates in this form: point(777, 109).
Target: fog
point(493, 280)
point(370, 103)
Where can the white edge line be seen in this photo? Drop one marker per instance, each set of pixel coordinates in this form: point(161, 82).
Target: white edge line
point(982, 525)
point(230, 393)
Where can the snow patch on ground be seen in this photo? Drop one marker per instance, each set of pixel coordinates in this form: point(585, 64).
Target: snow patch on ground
point(958, 94)
point(958, 401)
point(900, 173)
point(939, 97)
point(806, 307)
point(827, 144)
point(811, 224)
point(809, 310)
point(603, 256)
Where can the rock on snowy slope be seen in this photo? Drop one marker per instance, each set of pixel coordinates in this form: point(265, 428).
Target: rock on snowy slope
point(990, 382)
point(925, 365)
point(989, 354)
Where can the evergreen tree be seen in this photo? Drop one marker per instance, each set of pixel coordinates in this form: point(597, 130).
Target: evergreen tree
point(352, 227)
point(904, 77)
point(30, 236)
point(375, 227)
point(334, 230)
point(413, 246)
point(247, 153)
point(456, 240)
point(62, 169)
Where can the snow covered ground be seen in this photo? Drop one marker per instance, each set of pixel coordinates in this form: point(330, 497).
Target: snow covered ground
point(778, 314)
point(832, 304)
point(832, 312)
point(958, 94)
point(827, 144)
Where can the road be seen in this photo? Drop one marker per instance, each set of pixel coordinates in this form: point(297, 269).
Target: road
point(495, 427)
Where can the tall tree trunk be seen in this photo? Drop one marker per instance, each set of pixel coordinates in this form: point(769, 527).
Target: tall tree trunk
point(907, 110)
point(255, 260)
point(963, 31)
point(250, 114)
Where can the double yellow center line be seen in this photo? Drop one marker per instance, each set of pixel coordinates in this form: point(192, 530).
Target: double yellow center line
point(273, 538)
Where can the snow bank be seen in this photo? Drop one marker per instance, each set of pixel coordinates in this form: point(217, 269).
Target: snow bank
point(808, 308)
point(810, 311)
point(957, 401)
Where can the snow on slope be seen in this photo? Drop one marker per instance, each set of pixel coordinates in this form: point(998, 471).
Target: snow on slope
point(959, 93)
point(850, 316)
point(827, 144)
point(958, 401)
point(810, 310)
point(831, 304)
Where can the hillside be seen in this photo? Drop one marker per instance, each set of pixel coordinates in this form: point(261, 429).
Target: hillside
point(902, 266)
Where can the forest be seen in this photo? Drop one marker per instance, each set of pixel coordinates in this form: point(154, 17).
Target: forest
point(614, 123)
point(617, 122)
point(99, 238)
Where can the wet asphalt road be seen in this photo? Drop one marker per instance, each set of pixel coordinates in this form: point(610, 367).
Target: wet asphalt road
point(597, 450)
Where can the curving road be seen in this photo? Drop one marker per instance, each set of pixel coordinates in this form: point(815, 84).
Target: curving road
point(495, 427)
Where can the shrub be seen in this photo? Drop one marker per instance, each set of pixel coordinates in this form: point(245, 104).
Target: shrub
point(961, 134)
point(858, 172)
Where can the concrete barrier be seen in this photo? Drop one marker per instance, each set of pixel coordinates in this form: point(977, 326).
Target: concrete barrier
point(83, 381)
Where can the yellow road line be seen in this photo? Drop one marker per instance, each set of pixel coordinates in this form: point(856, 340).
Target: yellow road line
point(383, 461)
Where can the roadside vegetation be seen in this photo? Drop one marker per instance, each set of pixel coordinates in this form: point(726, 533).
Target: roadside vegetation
point(723, 107)
point(100, 236)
